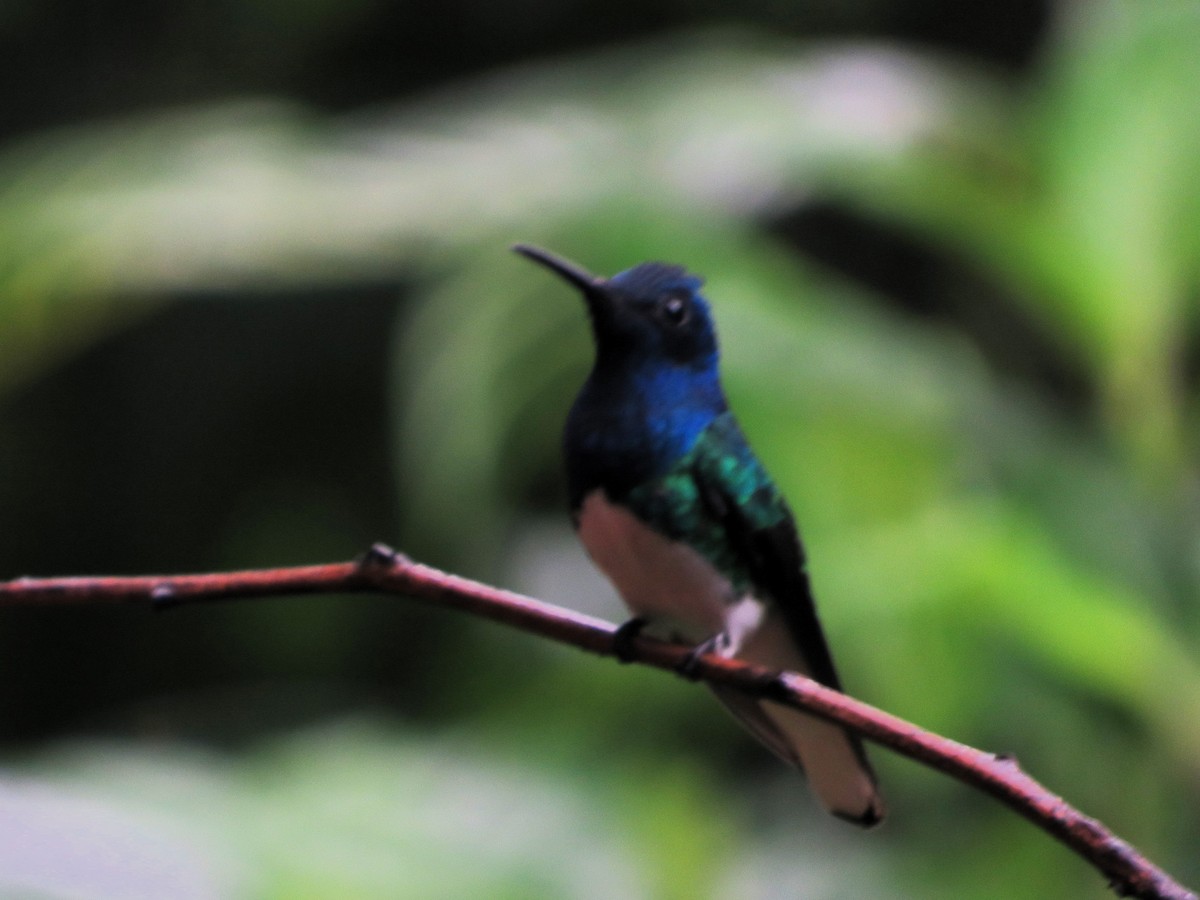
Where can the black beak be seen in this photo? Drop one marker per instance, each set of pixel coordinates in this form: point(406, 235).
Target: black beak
point(590, 284)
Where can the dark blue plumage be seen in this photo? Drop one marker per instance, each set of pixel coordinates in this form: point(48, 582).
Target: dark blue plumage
point(674, 507)
point(635, 417)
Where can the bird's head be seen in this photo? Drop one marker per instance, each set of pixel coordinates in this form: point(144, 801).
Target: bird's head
point(651, 313)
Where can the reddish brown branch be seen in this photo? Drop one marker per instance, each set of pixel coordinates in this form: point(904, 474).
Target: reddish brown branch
point(381, 570)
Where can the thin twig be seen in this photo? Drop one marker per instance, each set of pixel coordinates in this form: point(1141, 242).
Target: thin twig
point(382, 570)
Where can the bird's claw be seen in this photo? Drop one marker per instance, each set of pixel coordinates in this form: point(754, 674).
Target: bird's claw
point(627, 632)
point(689, 665)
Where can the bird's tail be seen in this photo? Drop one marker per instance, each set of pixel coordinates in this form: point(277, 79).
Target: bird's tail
point(833, 759)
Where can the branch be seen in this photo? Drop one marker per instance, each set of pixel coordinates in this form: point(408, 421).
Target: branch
point(381, 570)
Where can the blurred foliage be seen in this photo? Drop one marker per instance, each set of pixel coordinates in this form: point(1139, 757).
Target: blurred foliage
point(997, 485)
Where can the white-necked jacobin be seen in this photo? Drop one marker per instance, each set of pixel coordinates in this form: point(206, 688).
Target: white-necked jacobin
point(676, 510)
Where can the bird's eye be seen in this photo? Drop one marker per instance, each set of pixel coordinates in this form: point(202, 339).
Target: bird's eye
point(675, 310)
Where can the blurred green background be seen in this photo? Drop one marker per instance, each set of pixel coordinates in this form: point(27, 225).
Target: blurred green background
point(257, 308)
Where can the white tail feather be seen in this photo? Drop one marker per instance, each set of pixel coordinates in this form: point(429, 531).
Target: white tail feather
point(832, 758)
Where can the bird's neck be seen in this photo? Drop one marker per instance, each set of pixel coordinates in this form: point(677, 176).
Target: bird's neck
point(632, 423)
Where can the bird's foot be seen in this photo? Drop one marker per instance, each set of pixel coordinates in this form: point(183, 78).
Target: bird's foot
point(690, 663)
point(623, 638)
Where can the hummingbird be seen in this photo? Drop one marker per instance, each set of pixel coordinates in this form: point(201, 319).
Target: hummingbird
point(675, 509)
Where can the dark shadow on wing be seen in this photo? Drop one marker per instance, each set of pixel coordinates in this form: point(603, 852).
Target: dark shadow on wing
point(775, 562)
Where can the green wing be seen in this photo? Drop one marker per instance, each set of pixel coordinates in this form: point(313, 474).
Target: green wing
point(720, 500)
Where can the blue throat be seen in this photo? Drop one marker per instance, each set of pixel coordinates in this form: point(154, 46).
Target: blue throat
point(634, 419)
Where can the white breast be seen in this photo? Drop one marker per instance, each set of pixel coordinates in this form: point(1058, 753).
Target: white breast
point(665, 581)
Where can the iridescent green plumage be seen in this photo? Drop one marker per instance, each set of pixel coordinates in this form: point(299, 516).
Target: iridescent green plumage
point(719, 500)
point(691, 502)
